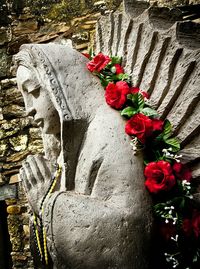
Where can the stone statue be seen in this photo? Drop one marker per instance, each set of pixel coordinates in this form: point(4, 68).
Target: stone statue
point(100, 214)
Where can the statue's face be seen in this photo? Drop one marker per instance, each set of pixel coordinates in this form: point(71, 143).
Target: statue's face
point(37, 102)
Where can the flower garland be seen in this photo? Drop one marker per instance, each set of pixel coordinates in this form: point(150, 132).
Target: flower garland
point(167, 179)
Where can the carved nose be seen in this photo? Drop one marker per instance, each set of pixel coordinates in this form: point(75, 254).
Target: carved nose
point(31, 112)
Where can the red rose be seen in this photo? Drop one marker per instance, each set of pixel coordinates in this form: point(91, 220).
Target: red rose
point(87, 55)
point(142, 126)
point(157, 124)
point(116, 94)
point(187, 227)
point(196, 223)
point(159, 176)
point(119, 69)
point(167, 230)
point(98, 62)
point(135, 90)
point(182, 172)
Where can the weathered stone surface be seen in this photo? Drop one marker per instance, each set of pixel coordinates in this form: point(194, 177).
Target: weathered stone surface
point(1, 180)
point(54, 33)
point(4, 134)
point(11, 201)
point(8, 191)
point(1, 112)
point(9, 167)
point(100, 184)
point(17, 156)
point(10, 172)
point(80, 38)
point(5, 35)
point(35, 146)
point(14, 179)
point(3, 148)
point(5, 62)
point(11, 96)
point(35, 133)
point(12, 110)
point(4, 14)
point(14, 45)
point(87, 26)
point(26, 232)
point(82, 46)
point(5, 83)
point(26, 27)
point(19, 143)
point(13, 209)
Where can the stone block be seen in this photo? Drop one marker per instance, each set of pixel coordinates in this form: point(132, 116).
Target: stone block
point(80, 37)
point(87, 26)
point(5, 83)
point(1, 180)
point(17, 156)
point(13, 111)
point(8, 191)
point(26, 27)
point(3, 148)
point(26, 231)
point(14, 179)
point(35, 133)
point(5, 63)
point(11, 201)
point(82, 46)
point(19, 143)
point(13, 209)
point(5, 36)
point(14, 45)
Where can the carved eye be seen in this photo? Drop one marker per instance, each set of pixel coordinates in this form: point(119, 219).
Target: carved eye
point(31, 87)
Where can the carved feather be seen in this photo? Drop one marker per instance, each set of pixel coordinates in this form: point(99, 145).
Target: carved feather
point(163, 56)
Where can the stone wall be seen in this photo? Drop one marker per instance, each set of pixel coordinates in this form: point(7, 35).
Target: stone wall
point(19, 137)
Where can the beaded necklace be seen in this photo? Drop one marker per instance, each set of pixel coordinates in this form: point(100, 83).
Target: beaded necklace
point(39, 229)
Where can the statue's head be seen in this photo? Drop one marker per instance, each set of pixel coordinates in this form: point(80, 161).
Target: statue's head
point(56, 84)
point(59, 92)
point(37, 101)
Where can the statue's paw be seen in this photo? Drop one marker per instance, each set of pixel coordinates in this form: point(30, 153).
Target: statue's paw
point(36, 177)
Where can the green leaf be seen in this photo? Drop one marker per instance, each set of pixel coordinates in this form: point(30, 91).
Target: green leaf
point(91, 53)
point(116, 60)
point(149, 111)
point(141, 102)
point(167, 130)
point(123, 77)
point(182, 203)
point(174, 143)
point(129, 96)
point(129, 111)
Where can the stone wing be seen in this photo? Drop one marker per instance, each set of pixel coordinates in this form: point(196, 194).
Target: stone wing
point(162, 54)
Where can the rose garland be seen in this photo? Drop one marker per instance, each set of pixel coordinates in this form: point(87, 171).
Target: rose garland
point(167, 179)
